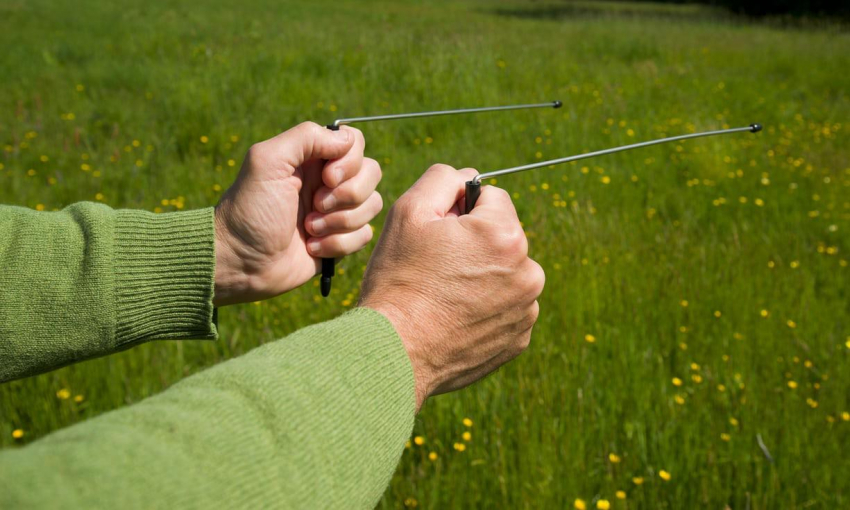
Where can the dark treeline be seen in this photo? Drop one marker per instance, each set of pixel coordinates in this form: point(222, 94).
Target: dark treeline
point(839, 8)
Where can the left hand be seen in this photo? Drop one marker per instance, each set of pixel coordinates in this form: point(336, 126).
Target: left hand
point(306, 194)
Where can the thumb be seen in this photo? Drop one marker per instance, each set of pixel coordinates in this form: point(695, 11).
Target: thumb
point(307, 141)
point(440, 188)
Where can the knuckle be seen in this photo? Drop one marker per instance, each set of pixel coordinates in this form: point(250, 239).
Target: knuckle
point(535, 279)
point(511, 242)
point(533, 314)
point(368, 233)
point(501, 193)
point(308, 127)
point(257, 155)
point(521, 343)
point(376, 168)
point(442, 169)
point(345, 220)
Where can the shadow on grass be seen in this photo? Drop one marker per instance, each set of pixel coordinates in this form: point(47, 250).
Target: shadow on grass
point(680, 13)
point(586, 10)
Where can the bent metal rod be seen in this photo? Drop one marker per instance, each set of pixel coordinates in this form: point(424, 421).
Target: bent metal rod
point(327, 263)
point(473, 187)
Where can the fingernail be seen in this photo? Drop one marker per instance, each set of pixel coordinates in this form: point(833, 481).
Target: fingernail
point(329, 202)
point(313, 246)
point(319, 225)
point(342, 134)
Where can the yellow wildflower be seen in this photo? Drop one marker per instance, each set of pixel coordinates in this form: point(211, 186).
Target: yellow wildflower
point(792, 384)
point(17, 433)
point(791, 324)
point(579, 504)
point(205, 139)
point(724, 436)
point(78, 398)
point(467, 436)
point(459, 447)
point(589, 338)
point(638, 480)
point(845, 416)
point(432, 456)
point(664, 475)
point(614, 458)
point(677, 381)
point(467, 422)
point(620, 494)
point(603, 504)
point(419, 440)
point(63, 394)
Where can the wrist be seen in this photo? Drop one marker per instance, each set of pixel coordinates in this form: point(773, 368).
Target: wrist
point(422, 372)
point(230, 280)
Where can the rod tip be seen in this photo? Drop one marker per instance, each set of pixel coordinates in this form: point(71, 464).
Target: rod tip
point(756, 127)
point(326, 286)
point(557, 104)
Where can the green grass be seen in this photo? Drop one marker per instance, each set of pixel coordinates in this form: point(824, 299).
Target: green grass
point(620, 258)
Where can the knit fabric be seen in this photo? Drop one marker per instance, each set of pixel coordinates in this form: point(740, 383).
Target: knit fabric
point(317, 420)
point(88, 281)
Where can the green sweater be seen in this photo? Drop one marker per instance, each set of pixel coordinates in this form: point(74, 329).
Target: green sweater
point(317, 420)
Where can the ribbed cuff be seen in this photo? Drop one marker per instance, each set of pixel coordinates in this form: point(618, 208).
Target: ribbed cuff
point(164, 276)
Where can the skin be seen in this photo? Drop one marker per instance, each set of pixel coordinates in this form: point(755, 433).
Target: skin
point(461, 291)
point(306, 194)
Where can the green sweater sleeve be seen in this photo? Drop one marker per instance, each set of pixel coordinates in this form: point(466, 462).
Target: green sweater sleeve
point(88, 281)
point(317, 420)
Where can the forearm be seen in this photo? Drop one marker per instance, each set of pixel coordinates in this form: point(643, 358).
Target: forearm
point(317, 420)
point(88, 281)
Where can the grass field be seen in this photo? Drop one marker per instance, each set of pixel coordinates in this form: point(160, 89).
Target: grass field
point(697, 293)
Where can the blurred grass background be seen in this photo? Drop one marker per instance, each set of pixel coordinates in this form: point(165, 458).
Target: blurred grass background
point(697, 293)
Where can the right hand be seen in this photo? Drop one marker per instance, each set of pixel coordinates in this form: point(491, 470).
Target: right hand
point(460, 290)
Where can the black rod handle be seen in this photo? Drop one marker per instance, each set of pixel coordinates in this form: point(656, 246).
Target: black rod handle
point(473, 191)
point(328, 265)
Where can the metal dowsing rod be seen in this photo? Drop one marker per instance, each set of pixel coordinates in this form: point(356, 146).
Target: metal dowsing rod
point(328, 264)
point(473, 187)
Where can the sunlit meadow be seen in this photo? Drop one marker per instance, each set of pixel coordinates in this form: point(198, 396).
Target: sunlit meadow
point(694, 340)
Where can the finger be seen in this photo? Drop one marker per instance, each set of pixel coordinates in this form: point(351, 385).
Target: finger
point(347, 220)
point(304, 142)
point(439, 189)
point(352, 192)
point(495, 204)
point(339, 245)
point(534, 279)
point(339, 170)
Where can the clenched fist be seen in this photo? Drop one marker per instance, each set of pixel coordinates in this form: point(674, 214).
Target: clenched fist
point(460, 290)
point(306, 194)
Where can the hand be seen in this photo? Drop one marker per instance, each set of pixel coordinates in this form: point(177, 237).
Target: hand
point(460, 290)
point(306, 194)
